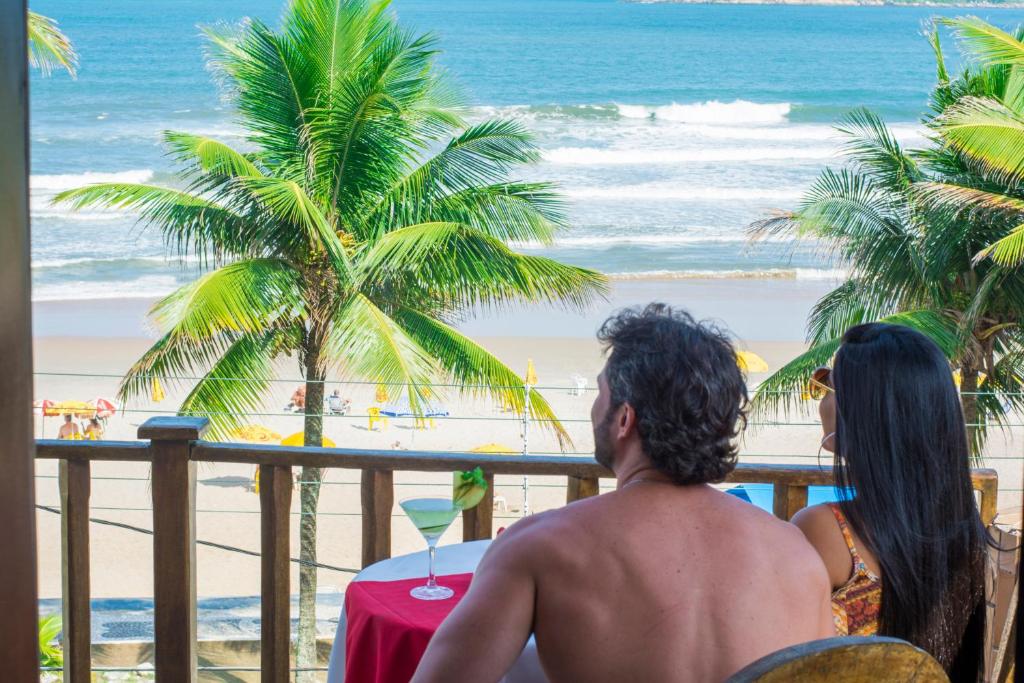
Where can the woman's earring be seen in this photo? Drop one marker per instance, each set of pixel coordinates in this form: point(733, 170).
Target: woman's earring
point(821, 446)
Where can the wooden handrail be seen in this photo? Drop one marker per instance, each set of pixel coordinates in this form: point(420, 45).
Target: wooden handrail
point(175, 446)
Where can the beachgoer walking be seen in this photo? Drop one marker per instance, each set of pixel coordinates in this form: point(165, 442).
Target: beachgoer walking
point(664, 579)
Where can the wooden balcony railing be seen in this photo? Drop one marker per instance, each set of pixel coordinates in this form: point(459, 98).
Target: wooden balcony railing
point(174, 447)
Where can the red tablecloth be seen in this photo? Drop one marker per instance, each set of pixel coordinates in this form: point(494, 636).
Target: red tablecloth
point(388, 629)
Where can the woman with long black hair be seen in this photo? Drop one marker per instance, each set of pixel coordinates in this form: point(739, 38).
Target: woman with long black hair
point(905, 545)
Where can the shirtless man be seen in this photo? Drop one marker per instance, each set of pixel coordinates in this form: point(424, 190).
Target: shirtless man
point(69, 430)
point(664, 579)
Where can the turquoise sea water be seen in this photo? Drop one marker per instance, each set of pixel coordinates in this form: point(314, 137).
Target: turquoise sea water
point(669, 127)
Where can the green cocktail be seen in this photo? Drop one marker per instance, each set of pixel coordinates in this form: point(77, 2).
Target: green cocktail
point(432, 517)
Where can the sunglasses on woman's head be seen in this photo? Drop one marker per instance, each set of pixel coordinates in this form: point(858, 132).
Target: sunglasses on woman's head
point(820, 384)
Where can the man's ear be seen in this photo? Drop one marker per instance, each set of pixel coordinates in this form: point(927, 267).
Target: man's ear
point(627, 420)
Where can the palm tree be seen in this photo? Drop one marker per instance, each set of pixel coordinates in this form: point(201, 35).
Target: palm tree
point(48, 47)
point(987, 126)
point(366, 219)
point(889, 217)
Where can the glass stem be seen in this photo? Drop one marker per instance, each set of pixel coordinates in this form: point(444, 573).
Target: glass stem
point(431, 580)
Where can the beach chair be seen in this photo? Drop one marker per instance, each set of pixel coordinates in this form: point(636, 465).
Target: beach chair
point(375, 417)
point(579, 385)
point(845, 660)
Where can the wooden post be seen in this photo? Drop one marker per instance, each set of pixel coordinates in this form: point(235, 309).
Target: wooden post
point(174, 548)
point(788, 499)
point(378, 497)
point(580, 488)
point(478, 521)
point(74, 535)
point(275, 591)
point(19, 607)
point(989, 499)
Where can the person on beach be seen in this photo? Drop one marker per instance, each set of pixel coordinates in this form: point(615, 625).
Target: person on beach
point(298, 400)
point(664, 579)
point(94, 430)
point(905, 554)
point(69, 430)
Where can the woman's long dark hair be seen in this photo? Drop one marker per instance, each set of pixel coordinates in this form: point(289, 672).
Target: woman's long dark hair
point(901, 448)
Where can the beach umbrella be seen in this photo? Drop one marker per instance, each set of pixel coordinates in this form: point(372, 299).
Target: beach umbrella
point(255, 434)
point(40, 407)
point(156, 392)
point(76, 408)
point(105, 408)
point(494, 449)
point(750, 362)
point(531, 373)
point(299, 439)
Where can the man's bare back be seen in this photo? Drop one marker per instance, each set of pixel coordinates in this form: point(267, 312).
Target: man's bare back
point(695, 585)
point(665, 579)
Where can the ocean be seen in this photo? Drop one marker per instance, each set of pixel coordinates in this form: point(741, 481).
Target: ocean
point(669, 127)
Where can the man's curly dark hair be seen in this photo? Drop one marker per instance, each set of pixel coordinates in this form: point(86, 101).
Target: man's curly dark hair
point(681, 378)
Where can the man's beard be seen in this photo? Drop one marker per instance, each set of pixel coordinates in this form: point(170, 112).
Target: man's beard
point(604, 452)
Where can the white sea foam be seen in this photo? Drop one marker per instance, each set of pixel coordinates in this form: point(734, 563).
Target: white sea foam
point(698, 236)
point(713, 112)
point(84, 260)
point(767, 274)
point(67, 181)
point(147, 287)
point(681, 191)
point(593, 156)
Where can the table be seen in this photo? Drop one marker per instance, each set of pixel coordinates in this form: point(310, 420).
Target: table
point(458, 558)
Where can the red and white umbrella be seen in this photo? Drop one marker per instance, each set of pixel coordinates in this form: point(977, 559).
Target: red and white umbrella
point(41, 406)
point(105, 408)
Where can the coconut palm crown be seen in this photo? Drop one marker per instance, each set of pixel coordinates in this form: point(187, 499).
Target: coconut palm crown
point(363, 218)
point(901, 223)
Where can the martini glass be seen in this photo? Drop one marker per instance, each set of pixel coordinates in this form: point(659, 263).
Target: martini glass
point(432, 516)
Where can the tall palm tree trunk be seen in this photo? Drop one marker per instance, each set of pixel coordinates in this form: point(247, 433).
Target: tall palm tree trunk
point(306, 655)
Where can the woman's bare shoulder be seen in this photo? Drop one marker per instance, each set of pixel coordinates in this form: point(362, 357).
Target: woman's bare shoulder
point(819, 526)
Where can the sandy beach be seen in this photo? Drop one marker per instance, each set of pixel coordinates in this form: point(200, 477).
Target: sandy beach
point(82, 348)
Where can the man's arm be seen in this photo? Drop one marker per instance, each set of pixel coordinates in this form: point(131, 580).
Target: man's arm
point(486, 632)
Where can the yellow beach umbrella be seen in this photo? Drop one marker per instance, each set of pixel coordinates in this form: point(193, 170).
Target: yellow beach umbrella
point(299, 439)
point(494, 449)
point(76, 408)
point(255, 434)
point(751, 362)
point(157, 391)
point(531, 373)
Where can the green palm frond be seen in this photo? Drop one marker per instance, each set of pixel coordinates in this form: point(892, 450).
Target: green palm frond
point(459, 266)
point(784, 390)
point(287, 200)
point(476, 370)
point(847, 305)
point(48, 47)
point(987, 130)
point(246, 296)
point(188, 221)
point(874, 149)
point(988, 44)
point(365, 342)
point(454, 178)
point(209, 156)
point(1008, 251)
point(237, 383)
